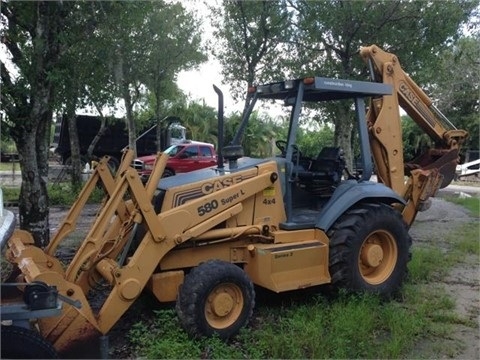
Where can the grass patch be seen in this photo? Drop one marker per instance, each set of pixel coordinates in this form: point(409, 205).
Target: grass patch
point(360, 326)
point(349, 327)
point(12, 166)
point(433, 263)
point(419, 325)
point(10, 194)
point(471, 203)
point(58, 194)
point(427, 264)
point(465, 239)
point(63, 194)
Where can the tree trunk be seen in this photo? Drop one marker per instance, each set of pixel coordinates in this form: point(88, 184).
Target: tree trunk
point(132, 144)
point(75, 155)
point(161, 126)
point(33, 201)
point(343, 133)
point(98, 136)
point(32, 140)
point(43, 142)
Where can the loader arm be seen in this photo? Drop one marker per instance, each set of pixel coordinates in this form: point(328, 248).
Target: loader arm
point(435, 168)
point(100, 173)
point(97, 259)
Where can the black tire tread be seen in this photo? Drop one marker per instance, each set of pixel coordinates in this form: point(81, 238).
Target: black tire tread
point(22, 343)
point(167, 173)
point(195, 288)
point(344, 234)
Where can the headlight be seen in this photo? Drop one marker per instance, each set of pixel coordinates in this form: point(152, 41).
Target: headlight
point(148, 166)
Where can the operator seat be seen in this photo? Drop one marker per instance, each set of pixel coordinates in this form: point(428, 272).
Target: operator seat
point(325, 171)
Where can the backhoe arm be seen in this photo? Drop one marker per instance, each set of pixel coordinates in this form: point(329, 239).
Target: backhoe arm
point(435, 168)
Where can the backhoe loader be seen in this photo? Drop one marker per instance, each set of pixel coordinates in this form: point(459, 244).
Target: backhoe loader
point(203, 239)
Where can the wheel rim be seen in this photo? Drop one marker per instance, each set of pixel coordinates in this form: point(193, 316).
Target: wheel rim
point(224, 305)
point(378, 257)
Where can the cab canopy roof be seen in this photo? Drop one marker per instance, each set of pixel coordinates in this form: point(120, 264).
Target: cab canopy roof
point(320, 89)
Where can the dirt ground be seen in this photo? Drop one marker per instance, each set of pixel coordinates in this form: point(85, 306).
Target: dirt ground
point(463, 282)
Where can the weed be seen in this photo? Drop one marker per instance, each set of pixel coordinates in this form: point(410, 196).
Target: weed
point(427, 264)
point(348, 326)
point(63, 194)
point(58, 194)
point(471, 203)
point(465, 239)
point(10, 194)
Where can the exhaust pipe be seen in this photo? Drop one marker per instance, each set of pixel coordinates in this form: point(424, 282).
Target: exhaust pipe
point(220, 127)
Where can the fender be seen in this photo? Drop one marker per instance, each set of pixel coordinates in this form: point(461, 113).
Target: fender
point(348, 194)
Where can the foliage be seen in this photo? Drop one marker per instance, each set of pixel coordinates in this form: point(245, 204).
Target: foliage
point(63, 195)
point(32, 41)
point(199, 119)
point(249, 40)
point(330, 33)
point(414, 139)
point(176, 46)
point(10, 194)
point(60, 194)
point(259, 136)
point(311, 141)
point(457, 86)
point(349, 327)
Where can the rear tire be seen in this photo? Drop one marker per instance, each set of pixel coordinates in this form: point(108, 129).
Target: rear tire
point(217, 297)
point(369, 250)
point(22, 343)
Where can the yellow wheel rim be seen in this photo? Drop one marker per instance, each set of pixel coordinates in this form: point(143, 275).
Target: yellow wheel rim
point(378, 257)
point(224, 305)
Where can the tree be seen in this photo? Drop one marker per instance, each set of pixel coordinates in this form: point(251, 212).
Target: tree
point(199, 119)
point(259, 135)
point(82, 76)
point(330, 33)
point(30, 34)
point(84, 53)
point(175, 46)
point(149, 42)
point(415, 140)
point(457, 86)
point(249, 35)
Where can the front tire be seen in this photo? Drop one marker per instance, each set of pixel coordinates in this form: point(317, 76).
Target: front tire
point(167, 173)
point(369, 250)
point(217, 297)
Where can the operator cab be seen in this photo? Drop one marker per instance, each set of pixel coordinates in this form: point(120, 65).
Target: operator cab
point(308, 183)
point(324, 173)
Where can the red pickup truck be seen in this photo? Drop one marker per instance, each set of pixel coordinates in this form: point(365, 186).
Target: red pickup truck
point(186, 156)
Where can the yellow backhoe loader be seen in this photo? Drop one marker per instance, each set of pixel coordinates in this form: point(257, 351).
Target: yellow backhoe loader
point(203, 239)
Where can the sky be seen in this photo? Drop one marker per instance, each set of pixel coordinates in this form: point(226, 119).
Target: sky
point(198, 84)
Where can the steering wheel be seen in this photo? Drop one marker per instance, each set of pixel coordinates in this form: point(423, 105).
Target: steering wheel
point(282, 146)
